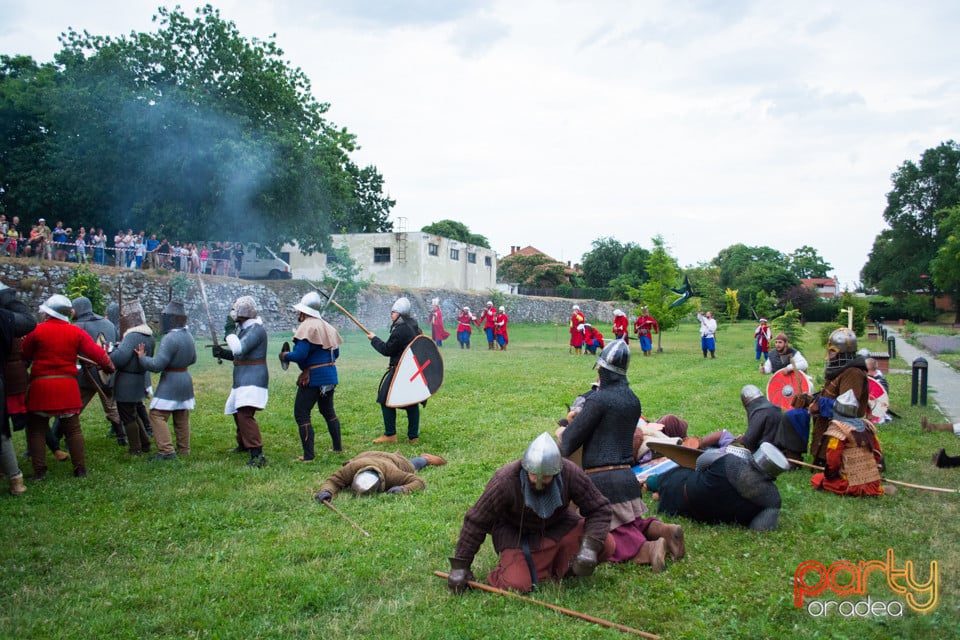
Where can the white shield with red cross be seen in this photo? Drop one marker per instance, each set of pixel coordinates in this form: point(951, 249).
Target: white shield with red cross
point(785, 385)
point(418, 374)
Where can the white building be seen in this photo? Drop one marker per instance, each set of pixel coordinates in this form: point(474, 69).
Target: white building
point(406, 259)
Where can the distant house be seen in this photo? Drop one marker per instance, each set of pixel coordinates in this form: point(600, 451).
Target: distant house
point(826, 288)
point(412, 259)
point(528, 251)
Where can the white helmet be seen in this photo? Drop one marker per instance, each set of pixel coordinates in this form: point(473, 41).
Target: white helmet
point(310, 304)
point(58, 306)
point(401, 306)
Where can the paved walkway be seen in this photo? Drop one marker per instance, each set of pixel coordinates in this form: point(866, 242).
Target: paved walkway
point(941, 379)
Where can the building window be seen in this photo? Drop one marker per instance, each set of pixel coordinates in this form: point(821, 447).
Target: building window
point(433, 249)
point(332, 258)
point(454, 254)
point(472, 257)
point(381, 254)
point(487, 262)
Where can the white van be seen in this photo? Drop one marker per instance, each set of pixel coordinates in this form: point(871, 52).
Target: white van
point(260, 263)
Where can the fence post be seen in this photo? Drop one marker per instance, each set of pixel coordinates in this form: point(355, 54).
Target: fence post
point(918, 382)
point(892, 346)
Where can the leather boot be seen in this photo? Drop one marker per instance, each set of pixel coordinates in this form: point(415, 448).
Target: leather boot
point(671, 534)
point(653, 553)
point(385, 439)
point(16, 485)
point(943, 461)
point(711, 440)
point(934, 426)
point(431, 459)
point(132, 429)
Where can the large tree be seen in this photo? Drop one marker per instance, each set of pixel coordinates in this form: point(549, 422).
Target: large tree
point(916, 207)
point(750, 270)
point(191, 131)
point(806, 262)
point(605, 261)
point(945, 266)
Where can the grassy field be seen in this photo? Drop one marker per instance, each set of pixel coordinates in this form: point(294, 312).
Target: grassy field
point(205, 547)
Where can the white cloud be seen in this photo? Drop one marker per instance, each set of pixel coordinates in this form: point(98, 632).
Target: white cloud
point(557, 123)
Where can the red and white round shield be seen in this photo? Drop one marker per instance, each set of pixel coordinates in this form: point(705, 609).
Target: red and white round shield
point(785, 385)
point(879, 401)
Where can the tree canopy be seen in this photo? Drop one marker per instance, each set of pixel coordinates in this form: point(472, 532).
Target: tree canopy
point(456, 231)
point(191, 131)
point(917, 206)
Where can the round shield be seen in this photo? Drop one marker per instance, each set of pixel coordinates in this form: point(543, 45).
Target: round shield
point(785, 385)
point(879, 401)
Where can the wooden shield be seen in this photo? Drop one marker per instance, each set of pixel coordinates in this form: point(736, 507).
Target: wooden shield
point(418, 375)
point(879, 401)
point(683, 456)
point(784, 385)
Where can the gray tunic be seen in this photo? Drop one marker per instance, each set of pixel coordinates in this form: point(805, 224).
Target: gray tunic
point(131, 381)
point(248, 350)
point(177, 350)
point(94, 325)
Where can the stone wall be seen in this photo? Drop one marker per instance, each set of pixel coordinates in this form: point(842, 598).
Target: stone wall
point(36, 281)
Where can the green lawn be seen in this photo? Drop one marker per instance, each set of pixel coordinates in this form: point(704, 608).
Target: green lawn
point(205, 547)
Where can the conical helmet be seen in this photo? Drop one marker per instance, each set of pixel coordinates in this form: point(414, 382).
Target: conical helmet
point(846, 404)
point(749, 393)
point(615, 357)
point(310, 304)
point(542, 458)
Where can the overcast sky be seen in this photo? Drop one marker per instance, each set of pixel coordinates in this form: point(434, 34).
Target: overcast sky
point(553, 124)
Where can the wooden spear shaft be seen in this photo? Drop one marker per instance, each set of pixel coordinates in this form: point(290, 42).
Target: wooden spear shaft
point(569, 612)
point(896, 482)
point(327, 504)
point(334, 303)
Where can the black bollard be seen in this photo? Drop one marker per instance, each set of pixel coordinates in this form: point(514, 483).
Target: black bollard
point(883, 333)
point(892, 346)
point(918, 382)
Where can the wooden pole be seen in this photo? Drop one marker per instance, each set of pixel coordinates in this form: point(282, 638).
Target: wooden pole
point(896, 482)
point(334, 303)
point(327, 504)
point(569, 612)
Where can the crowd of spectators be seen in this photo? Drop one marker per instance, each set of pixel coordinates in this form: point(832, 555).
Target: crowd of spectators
point(125, 249)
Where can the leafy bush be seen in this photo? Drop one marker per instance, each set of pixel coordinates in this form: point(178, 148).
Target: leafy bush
point(86, 283)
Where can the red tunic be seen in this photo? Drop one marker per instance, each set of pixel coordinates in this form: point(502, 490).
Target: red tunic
point(576, 336)
point(643, 326)
point(53, 347)
point(463, 322)
point(489, 318)
point(620, 326)
point(500, 328)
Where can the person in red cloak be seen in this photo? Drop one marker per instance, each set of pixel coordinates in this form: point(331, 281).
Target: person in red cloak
point(437, 330)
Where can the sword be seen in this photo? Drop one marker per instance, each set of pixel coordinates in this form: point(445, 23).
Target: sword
point(330, 297)
point(344, 311)
point(206, 308)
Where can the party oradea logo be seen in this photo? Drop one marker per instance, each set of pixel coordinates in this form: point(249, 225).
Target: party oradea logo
point(861, 590)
